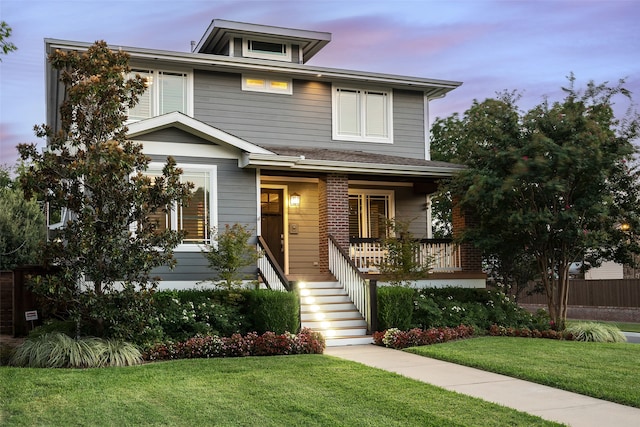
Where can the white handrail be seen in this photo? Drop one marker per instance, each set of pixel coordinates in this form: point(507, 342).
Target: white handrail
point(349, 277)
point(270, 275)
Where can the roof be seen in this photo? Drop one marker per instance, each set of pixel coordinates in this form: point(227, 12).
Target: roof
point(221, 31)
point(430, 87)
point(298, 159)
point(353, 162)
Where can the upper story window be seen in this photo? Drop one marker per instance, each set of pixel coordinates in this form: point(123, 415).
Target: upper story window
point(255, 48)
point(362, 115)
point(167, 91)
point(267, 84)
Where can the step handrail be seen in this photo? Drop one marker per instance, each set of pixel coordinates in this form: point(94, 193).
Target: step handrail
point(269, 270)
point(361, 290)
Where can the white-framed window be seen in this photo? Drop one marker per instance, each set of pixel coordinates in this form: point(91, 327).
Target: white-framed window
point(362, 114)
point(267, 84)
point(264, 49)
point(200, 216)
point(369, 211)
point(167, 91)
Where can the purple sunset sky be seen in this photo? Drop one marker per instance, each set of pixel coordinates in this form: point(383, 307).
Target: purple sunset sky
point(489, 45)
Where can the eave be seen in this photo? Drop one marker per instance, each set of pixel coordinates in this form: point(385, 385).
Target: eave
point(302, 164)
point(431, 87)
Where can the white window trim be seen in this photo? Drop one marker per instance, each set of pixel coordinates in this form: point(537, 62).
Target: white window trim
point(155, 105)
point(267, 86)
point(213, 202)
point(363, 192)
point(362, 138)
point(247, 53)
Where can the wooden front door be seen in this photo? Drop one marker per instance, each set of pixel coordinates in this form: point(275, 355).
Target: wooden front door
point(271, 211)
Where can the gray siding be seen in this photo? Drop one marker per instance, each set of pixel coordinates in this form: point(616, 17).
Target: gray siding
point(301, 119)
point(173, 135)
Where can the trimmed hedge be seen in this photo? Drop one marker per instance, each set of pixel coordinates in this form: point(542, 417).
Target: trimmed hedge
point(395, 307)
point(274, 311)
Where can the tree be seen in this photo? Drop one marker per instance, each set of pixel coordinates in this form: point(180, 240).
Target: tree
point(230, 254)
point(554, 183)
point(110, 240)
point(5, 33)
point(22, 225)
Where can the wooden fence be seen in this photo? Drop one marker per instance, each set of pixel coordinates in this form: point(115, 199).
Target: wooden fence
point(596, 293)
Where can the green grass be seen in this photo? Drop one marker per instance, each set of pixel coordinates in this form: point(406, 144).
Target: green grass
point(603, 370)
point(304, 390)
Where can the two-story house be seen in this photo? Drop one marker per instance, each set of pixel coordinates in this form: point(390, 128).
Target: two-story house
point(313, 159)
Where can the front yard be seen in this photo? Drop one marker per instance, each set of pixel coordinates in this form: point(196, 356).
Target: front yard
point(602, 370)
point(266, 391)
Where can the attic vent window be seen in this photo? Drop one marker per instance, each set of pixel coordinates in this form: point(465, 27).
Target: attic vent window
point(266, 50)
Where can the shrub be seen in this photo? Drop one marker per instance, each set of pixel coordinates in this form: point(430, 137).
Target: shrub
point(395, 338)
point(594, 332)
point(274, 311)
point(186, 313)
point(6, 353)
point(481, 308)
point(395, 307)
point(252, 344)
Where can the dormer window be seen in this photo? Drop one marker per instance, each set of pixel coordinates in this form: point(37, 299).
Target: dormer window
point(255, 48)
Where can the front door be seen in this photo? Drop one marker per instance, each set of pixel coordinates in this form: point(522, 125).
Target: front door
point(271, 212)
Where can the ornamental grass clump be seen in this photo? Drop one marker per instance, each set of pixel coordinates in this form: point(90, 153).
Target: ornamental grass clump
point(594, 332)
point(57, 350)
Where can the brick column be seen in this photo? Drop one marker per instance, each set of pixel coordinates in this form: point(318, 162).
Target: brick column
point(333, 212)
point(470, 256)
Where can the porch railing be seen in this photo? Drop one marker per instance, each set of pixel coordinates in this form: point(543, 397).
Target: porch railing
point(269, 270)
point(362, 291)
point(442, 255)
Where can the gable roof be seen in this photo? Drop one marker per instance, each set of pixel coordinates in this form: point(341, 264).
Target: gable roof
point(194, 127)
point(220, 31)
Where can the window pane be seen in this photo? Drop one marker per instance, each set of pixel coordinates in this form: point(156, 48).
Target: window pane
point(378, 214)
point(354, 216)
point(172, 92)
point(266, 47)
point(194, 219)
point(376, 114)
point(348, 112)
point(142, 110)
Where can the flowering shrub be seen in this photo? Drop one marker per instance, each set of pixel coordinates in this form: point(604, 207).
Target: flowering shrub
point(395, 338)
point(251, 344)
point(501, 331)
point(478, 307)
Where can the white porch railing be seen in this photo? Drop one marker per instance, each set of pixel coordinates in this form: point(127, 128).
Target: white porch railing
point(268, 270)
point(441, 254)
point(361, 291)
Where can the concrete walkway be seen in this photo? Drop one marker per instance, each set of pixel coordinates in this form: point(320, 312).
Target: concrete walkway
point(546, 402)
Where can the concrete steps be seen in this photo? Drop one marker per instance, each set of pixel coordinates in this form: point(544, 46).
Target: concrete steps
point(325, 307)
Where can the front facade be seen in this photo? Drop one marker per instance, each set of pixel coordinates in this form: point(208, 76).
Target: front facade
point(301, 154)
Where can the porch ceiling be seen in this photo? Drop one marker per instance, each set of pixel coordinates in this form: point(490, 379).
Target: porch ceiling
point(352, 162)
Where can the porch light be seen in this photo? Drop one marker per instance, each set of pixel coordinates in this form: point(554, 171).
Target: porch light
point(294, 200)
point(325, 324)
point(305, 292)
point(314, 308)
point(310, 300)
point(625, 226)
point(320, 316)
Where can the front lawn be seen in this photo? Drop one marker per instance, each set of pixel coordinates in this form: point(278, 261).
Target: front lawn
point(266, 391)
point(601, 370)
